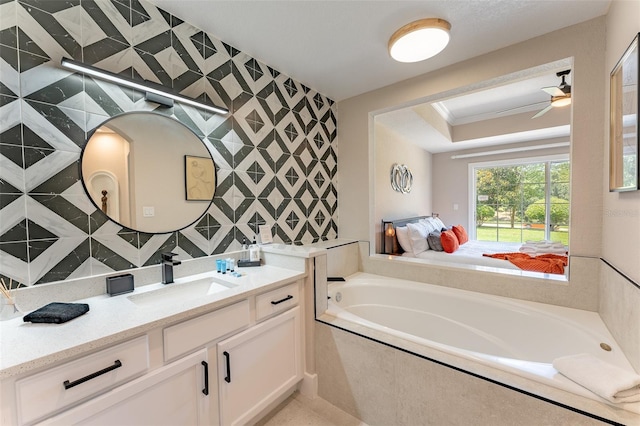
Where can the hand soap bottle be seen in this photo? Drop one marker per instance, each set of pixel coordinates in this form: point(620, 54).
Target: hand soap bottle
point(254, 252)
point(245, 250)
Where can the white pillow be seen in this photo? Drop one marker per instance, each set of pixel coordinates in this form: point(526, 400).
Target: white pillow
point(418, 235)
point(439, 223)
point(402, 233)
point(430, 224)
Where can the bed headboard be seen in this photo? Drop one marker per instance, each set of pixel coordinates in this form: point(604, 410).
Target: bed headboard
point(389, 239)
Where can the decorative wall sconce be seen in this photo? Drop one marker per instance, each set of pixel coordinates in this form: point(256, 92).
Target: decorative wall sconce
point(388, 240)
point(154, 92)
point(401, 178)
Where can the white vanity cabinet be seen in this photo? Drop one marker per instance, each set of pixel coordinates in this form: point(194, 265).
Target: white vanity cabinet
point(226, 365)
point(256, 366)
point(176, 394)
point(52, 390)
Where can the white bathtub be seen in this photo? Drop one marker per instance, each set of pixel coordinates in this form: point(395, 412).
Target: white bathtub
point(512, 335)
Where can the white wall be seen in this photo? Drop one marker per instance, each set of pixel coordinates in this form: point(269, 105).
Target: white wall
point(621, 218)
point(619, 300)
point(392, 149)
point(583, 42)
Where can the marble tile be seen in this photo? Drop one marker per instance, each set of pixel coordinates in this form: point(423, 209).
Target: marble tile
point(619, 307)
point(9, 69)
point(8, 25)
point(254, 121)
point(47, 112)
point(290, 90)
point(15, 262)
point(223, 238)
point(418, 391)
point(55, 260)
point(254, 72)
point(154, 24)
point(356, 375)
point(11, 169)
point(48, 35)
point(104, 21)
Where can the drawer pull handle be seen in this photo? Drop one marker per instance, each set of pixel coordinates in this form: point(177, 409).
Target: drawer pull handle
point(277, 302)
point(206, 378)
point(68, 385)
point(228, 358)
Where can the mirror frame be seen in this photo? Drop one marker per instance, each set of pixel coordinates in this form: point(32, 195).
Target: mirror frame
point(617, 110)
point(176, 121)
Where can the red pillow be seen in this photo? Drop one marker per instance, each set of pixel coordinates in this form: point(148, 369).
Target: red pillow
point(449, 241)
point(461, 233)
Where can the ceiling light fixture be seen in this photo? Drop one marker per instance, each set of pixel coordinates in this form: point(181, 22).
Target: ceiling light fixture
point(560, 101)
point(145, 86)
point(419, 40)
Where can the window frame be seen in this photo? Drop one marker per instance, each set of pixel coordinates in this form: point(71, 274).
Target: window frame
point(471, 174)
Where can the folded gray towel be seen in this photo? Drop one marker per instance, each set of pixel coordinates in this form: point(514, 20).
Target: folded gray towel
point(57, 313)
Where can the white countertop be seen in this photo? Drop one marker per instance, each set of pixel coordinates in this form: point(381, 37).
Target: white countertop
point(27, 346)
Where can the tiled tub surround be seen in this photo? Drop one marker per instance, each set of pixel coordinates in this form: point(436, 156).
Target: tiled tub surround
point(620, 310)
point(386, 380)
point(383, 384)
point(518, 337)
point(276, 152)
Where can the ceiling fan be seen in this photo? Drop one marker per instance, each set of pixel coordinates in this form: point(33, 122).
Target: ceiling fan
point(560, 95)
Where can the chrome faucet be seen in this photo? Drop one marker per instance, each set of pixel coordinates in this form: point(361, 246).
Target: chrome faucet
point(167, 267)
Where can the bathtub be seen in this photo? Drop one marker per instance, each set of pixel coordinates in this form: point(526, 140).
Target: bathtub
point(515, 336)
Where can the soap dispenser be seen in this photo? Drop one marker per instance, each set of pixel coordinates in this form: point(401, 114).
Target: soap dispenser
point(245, 250)
point(254, 252)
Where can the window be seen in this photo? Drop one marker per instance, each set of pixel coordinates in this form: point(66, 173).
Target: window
point(520, 200)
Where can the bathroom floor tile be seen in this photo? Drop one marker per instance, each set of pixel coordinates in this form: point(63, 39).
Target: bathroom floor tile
point(299, 410)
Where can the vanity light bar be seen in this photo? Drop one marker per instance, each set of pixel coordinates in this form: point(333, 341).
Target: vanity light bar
point(143, 86)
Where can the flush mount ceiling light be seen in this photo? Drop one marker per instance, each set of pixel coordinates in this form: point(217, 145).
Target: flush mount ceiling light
point(419, 40)
point(154, 92)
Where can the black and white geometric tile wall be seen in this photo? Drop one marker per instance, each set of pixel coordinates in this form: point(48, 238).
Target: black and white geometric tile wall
point(275, 153)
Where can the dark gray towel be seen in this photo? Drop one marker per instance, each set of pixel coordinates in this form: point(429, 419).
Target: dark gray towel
point(57, 313)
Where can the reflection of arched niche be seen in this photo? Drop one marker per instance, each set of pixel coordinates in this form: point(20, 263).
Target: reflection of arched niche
point(103, 180)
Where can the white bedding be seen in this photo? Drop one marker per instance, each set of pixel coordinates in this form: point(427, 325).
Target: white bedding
point(471, 253)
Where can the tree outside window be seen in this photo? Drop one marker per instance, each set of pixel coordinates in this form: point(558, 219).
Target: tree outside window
point(523, 201)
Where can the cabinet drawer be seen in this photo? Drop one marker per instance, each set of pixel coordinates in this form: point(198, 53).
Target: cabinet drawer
point(59, 387)
point(182, 338)
point(277, 300)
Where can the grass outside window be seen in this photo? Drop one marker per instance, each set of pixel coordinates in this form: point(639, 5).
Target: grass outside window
point(518, 235)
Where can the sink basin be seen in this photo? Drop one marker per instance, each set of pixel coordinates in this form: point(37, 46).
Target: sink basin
point(180, 291)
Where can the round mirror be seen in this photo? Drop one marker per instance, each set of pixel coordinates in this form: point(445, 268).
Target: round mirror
point(148, 172)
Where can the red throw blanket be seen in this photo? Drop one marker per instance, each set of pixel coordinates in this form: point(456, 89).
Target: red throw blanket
point(548, 263)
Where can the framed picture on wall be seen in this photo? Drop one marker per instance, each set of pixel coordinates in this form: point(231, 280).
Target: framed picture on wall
point(199, 177)
point(623, 122)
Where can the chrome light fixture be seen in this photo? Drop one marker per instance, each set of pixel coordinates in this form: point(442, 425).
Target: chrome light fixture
point(154, 92)
point(419, 40)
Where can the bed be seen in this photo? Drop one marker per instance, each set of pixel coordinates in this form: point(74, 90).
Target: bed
point(472, 252)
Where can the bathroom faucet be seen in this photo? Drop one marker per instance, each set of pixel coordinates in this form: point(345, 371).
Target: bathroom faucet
point(167, 267)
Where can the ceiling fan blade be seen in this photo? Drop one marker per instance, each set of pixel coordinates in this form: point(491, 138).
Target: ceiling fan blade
point(553, 91)
point(520, 107)
point(544, 111)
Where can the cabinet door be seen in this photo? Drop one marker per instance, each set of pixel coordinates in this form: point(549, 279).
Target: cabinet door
point(256, 366)
point(171, 395)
